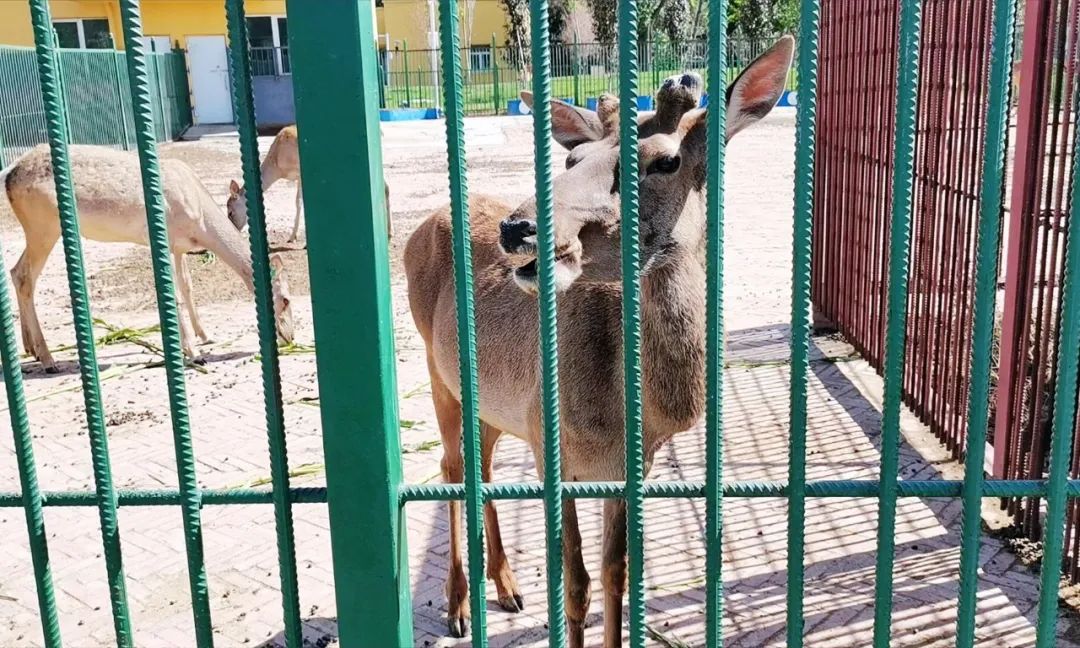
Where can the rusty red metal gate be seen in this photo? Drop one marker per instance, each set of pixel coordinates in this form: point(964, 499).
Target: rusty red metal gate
point(853, 193)
point(854, 162)
point(1034, 254)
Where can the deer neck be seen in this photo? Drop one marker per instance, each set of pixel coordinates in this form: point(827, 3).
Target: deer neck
point(673, 339)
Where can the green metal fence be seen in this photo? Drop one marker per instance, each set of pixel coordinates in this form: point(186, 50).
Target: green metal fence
point(493, 75)
point(94, 84)
point(337, 104)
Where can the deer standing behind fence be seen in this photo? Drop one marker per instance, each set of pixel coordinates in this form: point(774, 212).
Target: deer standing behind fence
point(672, 150)
point(109, 196)
point(282, 162)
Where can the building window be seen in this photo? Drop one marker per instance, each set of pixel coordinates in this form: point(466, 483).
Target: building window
point(84, 33)
point(480, 58)
point(268, 37)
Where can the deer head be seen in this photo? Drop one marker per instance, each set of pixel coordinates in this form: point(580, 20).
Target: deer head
point(236, 205)
point(671, 161)
point(282, 299)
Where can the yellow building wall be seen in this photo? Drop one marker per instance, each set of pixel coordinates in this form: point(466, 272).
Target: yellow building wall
point(176, 19)
point(409, 21)
point(401, 20)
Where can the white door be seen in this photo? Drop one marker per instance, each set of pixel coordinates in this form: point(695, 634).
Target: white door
point(209, 79)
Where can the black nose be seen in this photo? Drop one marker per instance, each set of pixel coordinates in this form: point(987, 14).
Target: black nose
point(688, 81)
point(512, 233)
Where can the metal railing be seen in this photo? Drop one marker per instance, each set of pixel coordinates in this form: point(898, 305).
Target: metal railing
point(336, 68)
point(95, 91)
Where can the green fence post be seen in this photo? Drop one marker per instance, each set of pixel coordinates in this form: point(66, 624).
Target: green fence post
point(899, 253)
point(341, 165)
point(55, 112)
point(405, 64)
point(577, 73)
point(988, 244)
point(117, 58)
point(497, 99)
point(169, 316)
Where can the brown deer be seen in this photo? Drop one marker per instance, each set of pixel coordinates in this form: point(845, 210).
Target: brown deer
point(282, 162)
point(108, 192)
point(672, 153)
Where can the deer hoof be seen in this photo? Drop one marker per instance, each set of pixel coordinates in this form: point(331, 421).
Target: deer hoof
point(513, 603)
point(459, 626)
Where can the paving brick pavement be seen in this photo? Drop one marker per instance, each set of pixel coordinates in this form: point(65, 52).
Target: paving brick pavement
point(227, 421)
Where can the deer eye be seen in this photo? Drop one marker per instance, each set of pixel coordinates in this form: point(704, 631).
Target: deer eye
point(665, 164)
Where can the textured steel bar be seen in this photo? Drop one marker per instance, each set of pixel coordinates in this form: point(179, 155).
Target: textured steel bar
point(1064, 423)
point(341, 166)
point(549, 346)
point(992, 488)
point(716, 127)
point(899, 248)
point(56, 119)
point(463, 285)
point(989, 241)
point(809, 28)
point(631, 314)
point(168, 315)
point(244, 103)
point(30, 498)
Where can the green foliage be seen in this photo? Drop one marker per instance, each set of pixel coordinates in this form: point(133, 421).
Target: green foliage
point(677, 20)
point(762, 18)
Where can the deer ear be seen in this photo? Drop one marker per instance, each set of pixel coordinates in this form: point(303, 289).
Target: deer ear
point(759, 87)
point(570, 125)
point(233, 187)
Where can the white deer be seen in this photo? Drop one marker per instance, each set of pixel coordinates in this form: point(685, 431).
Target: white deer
point(673, 158)
point(109, 196)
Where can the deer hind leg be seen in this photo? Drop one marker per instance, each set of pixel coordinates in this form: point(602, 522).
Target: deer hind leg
point(299, 208)
point(448, 413)
point(613, 574)
point(24, 276)
point(184, 297)
point(498, 567)
point(184, 277)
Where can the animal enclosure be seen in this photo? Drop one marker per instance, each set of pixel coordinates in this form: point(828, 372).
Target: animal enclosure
point(366, 495)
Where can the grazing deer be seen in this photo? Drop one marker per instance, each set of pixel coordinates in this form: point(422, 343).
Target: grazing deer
point(282, 162)
point(672, 153)
point(108, 192)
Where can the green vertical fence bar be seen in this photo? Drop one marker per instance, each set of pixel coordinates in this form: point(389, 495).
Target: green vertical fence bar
point(28, 482)
point(463, 284)
point(716, 125)
point(405, 63)
point(55, 111)
point(31, 496)
point(577, 72)
point(1064, 424)
point(243, 100)
point(809, 30)
point(337, 109)
point(168, 315)
point(986, 276)
point(899, 251)
point(121, 111)
point(631, 315)
point(549, 362)
point(496, 98)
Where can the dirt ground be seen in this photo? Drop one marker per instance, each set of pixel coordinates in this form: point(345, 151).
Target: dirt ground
point(227, 422)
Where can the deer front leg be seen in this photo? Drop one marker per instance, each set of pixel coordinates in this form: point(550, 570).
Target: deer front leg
point(613, 575)
point(498, 567)
point(448, 413)
point(299, 207)
point(578, 595)
point(179, 275)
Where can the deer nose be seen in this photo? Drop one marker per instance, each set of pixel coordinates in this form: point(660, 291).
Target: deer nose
point(512, 234)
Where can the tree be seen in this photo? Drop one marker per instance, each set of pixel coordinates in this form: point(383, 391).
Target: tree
point(680, 19)
point(756, 19)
